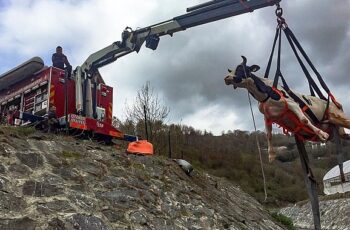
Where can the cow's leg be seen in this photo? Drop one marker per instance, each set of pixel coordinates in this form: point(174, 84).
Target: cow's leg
point(270, 150)
point(294, 107)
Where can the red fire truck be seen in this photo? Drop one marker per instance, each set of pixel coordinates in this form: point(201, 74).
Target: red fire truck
point(84, 102)
point(31, 88)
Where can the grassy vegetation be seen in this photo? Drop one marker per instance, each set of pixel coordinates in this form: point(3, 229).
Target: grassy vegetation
point(71, 155)
point(16, 131)
point(286, 221)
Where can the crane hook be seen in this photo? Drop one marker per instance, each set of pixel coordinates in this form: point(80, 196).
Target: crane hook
point(280, 20)
point(279, 10)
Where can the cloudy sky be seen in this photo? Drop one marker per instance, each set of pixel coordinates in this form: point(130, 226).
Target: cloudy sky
point(186, 70)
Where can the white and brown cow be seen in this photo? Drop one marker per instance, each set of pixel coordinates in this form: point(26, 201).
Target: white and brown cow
point(275, 103)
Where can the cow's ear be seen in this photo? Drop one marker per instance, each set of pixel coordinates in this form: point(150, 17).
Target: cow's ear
point(254, 68)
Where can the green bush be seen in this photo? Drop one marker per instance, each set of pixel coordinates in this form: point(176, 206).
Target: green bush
point(286, 221)
point(287, 156)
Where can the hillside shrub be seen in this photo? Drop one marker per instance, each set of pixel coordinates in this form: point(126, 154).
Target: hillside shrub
point(286, 221)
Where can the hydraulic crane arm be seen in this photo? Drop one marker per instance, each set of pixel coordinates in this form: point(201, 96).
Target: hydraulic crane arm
point(132, 40)
point(197, 15)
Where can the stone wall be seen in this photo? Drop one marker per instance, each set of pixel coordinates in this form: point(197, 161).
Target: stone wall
point(335, 214)
point(57, 182)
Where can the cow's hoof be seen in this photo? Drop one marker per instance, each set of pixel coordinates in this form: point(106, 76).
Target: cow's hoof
point(272, 157)
point(323, 135)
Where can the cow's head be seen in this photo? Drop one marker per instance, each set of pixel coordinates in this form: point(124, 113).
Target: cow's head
point(242, 74)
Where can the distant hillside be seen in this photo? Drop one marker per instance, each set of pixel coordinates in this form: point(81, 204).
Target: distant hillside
point(58, 182)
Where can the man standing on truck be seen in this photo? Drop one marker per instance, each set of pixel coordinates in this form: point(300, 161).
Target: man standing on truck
point(59, 60)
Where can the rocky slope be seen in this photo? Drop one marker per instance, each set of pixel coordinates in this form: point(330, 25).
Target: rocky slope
point(57, 182)
point(335, 214)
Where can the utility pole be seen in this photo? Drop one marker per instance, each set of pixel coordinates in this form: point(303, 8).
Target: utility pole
point(146, 128)
point(169, 142)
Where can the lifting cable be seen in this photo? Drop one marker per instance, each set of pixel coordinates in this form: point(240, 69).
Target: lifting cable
point(259, 147)
point(257, 140)
point(257, 144)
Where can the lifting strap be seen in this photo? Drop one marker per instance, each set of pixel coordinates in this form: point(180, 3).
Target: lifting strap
point(282, 25)
point(295, 45)
point(312, 84)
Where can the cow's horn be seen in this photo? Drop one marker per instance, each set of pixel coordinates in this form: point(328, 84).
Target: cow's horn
point(244, 60)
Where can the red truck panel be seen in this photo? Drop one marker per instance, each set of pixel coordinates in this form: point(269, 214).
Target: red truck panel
point(85, 123)
point(57, 92)
point(105, 100)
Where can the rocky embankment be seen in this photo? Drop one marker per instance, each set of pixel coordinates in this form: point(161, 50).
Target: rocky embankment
point(335, 214)
point(58, 182)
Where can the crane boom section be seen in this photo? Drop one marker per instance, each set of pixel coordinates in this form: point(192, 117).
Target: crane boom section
point(197, 15)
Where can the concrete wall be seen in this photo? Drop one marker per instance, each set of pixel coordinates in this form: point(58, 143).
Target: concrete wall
point(339, 188)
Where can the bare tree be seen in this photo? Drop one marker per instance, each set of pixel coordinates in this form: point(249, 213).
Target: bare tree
point(147, 100)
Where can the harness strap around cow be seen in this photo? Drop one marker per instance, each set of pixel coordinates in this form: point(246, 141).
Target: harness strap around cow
point(278, 75)
point(300, 129)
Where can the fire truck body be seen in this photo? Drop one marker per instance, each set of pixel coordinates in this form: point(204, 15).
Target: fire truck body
point(31, 88)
